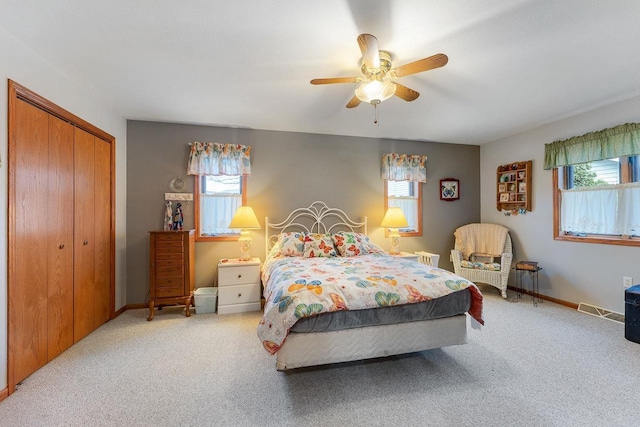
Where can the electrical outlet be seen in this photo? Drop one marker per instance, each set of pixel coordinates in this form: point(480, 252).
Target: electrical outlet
point(627, 282)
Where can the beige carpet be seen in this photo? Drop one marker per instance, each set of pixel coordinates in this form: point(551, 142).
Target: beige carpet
point(529, 366)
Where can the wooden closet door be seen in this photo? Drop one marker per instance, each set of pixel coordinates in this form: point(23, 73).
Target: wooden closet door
point(28, 207)
point(60, 237)
point(84, 235)
point(102, 232)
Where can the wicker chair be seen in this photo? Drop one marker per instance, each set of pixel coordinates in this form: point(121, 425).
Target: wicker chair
point(483, 268)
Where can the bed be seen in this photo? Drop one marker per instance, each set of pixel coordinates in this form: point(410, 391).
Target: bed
point(334, 296)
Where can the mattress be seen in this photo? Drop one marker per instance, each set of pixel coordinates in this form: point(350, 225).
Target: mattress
point(331, 291)
point(448, 305)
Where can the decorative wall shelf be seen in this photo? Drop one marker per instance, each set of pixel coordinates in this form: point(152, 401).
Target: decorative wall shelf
point(513, 186)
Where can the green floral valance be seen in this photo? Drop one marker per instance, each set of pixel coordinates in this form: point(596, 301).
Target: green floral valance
point(404, 167)
point(210, 158)
point(622, 140)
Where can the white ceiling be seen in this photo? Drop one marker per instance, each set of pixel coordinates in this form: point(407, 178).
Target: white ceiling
point(513, 64)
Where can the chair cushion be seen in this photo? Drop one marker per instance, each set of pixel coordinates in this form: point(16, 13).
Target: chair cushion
point(491, 266)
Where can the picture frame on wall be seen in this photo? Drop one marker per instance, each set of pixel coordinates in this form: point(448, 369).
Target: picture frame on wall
point(449, 189)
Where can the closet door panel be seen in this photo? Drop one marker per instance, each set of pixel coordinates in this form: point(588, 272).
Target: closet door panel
point(84, 236)
point(28, 291)
point(102, 232)
point(60, 237)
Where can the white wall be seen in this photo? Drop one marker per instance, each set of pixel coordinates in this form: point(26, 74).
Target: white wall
point(575, 272)
point(24, 66)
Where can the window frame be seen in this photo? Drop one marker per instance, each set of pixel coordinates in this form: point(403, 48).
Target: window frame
point(221, 237)
point(418, 232)
point(559, 180)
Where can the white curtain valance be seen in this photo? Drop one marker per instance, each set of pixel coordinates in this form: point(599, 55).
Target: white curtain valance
point(210, 158)
point(404, 167)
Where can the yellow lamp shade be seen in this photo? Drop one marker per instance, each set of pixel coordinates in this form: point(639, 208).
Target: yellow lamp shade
point(394, 218)
point(244, 218)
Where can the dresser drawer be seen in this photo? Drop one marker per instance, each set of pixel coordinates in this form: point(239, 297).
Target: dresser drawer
point(170, 257)
point(170, 281)
point(169, 291)
point(169, 237)
point(238, 275)
point(169, 246)
point(169, 270)
point(239, 294)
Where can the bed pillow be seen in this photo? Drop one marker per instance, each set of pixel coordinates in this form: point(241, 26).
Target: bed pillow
point(318, 245)
point(353, 244)
point(290, 244)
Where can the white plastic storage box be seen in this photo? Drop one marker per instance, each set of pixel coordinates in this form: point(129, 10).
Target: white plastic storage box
point(205, 299)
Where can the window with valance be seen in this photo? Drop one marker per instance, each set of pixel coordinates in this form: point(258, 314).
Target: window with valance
point(210, 158)
point(403, 175)
point(221, 172)
point(596, 188)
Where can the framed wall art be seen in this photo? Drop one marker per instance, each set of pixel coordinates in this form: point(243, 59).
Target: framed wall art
point(449, 189)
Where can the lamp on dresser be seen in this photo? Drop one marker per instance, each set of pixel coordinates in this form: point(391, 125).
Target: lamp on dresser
point(244, 219)
point(393, 220)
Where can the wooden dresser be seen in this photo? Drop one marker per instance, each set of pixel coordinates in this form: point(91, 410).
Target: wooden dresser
point(171, 269)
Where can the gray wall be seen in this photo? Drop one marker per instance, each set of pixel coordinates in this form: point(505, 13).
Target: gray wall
point(289, 170)
point(574, 272)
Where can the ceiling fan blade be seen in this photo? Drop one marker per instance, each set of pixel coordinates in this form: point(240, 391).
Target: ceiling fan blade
point(369, 48)
point(425, 64)
point(405, 93)
point(354, 102)
point(334, 80)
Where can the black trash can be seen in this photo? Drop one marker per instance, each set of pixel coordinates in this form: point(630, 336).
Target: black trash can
point(632, 313)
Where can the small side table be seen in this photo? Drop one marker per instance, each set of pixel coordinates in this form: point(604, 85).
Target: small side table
point(533, 275)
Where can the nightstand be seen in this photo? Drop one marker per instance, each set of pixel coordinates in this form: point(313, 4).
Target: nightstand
point(238, 285)
point(406, 255)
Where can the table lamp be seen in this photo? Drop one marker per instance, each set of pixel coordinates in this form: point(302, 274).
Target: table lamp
point(244, 219)
point(394, 219)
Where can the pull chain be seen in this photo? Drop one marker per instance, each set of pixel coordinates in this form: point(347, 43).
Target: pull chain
point(375, 119)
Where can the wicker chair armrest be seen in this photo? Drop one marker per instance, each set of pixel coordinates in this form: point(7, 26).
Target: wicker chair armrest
point(505, 261)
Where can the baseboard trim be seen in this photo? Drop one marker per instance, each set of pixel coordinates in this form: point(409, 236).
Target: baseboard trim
point(120, 311)
point(4, 394)
point(546, 298)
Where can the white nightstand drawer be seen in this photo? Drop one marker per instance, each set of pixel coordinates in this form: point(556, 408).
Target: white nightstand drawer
point(238, 275)
point(239, 294)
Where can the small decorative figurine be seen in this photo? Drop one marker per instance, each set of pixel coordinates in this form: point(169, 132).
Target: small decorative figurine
point(177, 217)
point(168, 216)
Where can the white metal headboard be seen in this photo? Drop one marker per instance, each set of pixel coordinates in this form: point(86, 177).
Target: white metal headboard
point(317, 218)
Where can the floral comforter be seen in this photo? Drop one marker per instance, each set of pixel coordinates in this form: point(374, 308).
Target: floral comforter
point(299, 287)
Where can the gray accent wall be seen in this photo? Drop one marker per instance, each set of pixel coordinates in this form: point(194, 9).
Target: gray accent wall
point(289, 170)
point(572, 271)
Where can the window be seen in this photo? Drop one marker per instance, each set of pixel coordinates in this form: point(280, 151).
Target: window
point(408, 196)
point(598, 201)
point(217, 199)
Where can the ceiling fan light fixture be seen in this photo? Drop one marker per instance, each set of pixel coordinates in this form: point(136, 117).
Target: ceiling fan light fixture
point(375, 91)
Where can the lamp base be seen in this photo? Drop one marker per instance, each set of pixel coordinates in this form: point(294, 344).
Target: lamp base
point(394, 238)
point(245, 246)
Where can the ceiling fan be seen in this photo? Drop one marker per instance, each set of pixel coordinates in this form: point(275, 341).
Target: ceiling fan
point(376, 84)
